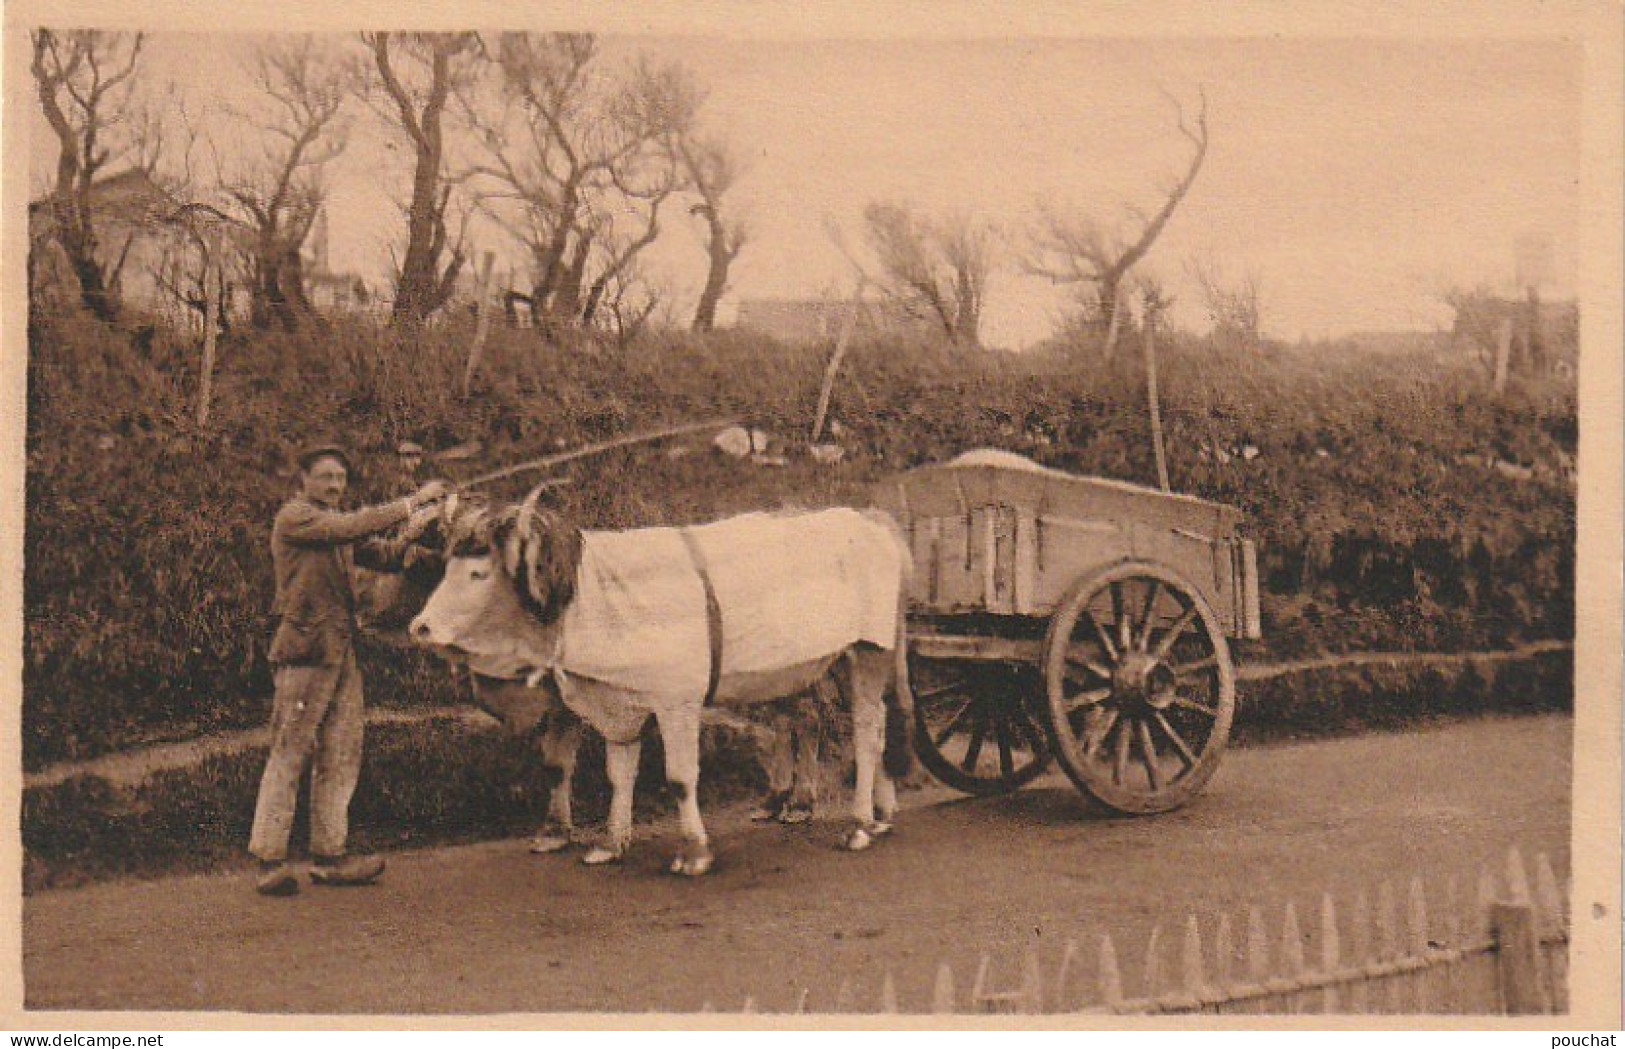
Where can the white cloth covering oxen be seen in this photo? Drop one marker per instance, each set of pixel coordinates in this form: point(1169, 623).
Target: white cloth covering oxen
point(661, 622)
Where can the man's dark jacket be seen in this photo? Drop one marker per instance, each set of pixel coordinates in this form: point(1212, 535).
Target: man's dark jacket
point(315, 602)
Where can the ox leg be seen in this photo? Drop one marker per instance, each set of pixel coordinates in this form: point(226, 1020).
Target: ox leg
point(621, 760)
point(868, 681)
point(805, 731)
point(780, 774)
point(680, 733)
point(559, 746)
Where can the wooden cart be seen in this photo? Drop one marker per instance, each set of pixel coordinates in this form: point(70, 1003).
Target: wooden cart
point(1053, 616)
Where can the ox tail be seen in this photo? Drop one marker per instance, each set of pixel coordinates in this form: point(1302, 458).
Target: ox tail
point(898, 756)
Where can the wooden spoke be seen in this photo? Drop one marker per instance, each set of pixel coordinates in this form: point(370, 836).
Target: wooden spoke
point(940, 690)
point(1151, 591)
point(1120, 758)
point(1097, 738)
point(974, 751)
point(1185, 753)
point(1105, 638)
point(1191, 704)
point(1093, 666)
point(1123, 638)
point(1075, 675)
point(1029, 728)
point(955, 722)
point(1089, 699)
point(1148, 754)
point(1007, 760)
point(1166, 645)
point(1181, 669)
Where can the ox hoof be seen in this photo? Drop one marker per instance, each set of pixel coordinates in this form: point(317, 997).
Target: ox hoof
point(795, 815)
point(599, 855)
point(692, 866)
point(859, 839)
point(771, 808)
point(547, 842)
point(880, 828)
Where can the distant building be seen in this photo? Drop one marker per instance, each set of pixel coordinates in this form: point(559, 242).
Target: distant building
point(819, 320)
point(1547, 332)
point(144, 242)
point(130, 211)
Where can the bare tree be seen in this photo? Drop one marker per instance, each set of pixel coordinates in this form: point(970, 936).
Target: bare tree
point(1077, 249)
point(713, 169)
point(85, 81)
point(579, 163)
point(280, 192)
point(935, 268)
point(1232, 303)
point(419, 72)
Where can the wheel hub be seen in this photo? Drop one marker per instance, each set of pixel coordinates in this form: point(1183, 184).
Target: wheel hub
point(1143, 683)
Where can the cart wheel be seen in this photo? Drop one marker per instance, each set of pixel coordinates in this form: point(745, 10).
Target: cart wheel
point(1141, 688)
point(975, 726)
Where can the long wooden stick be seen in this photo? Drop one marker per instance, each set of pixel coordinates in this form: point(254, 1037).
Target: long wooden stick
point(835, 360)
point(594, 449)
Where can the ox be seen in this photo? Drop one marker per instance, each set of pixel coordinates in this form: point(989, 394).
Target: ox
point(662, 622)
point(393, 580)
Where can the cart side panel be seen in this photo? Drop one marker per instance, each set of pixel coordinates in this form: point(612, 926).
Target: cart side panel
point(1207, 565)
point(1069, 549)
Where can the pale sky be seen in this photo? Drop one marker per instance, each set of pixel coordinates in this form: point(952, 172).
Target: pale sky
point(1354, 180)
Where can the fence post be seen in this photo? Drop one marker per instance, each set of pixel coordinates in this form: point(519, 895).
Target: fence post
point(1516, 959)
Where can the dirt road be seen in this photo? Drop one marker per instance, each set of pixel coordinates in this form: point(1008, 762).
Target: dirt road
point(489, 928)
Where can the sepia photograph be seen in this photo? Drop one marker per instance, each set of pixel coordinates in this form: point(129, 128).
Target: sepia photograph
point(799, 517)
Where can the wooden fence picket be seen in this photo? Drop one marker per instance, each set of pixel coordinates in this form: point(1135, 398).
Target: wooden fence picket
point(1551, 926)
point(1388, 948)
point(1517, 879)
point(888, 995)
point(1060, 996)
point(1151, 974)
point(1224, 950)
point(1293, 965)
point(1192, 975)
point(1331, 959)
point(1458, 952)
point(1258, 954)
point(1417, 947)
point(1032, 983)
point(1360, 951)
point(1111, 980)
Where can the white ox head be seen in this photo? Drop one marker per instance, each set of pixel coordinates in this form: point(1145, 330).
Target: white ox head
point(509, 577)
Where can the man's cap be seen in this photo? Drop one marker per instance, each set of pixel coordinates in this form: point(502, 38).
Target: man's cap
point(409, 448)
point(311, 453)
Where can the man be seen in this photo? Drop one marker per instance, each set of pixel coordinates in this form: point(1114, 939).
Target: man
point(317, 715)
